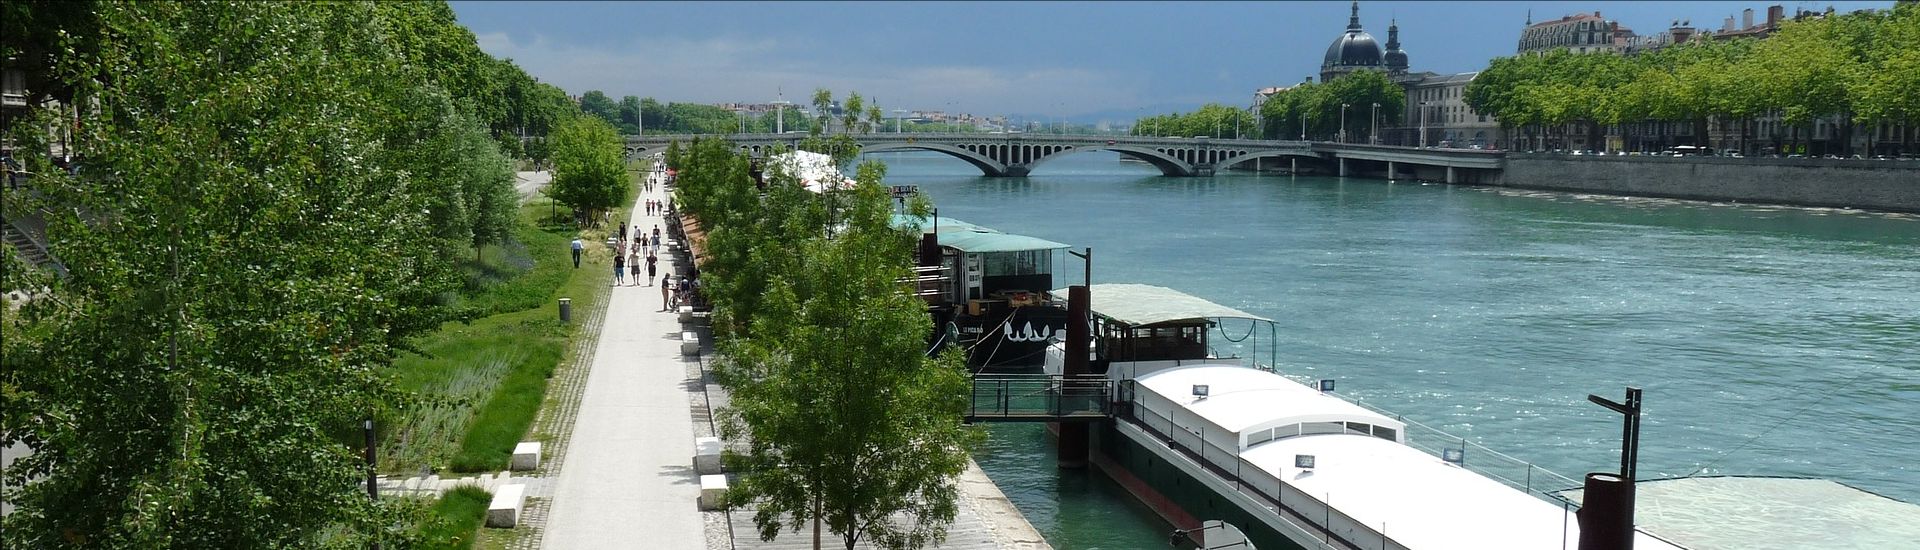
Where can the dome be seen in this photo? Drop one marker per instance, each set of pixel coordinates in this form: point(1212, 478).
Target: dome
point(1396, 59)
point(1355, 47)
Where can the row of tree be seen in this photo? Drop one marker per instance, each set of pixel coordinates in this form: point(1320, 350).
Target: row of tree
point(1212, 119)
point(849, 423)
point(1322, 111)
point(267, 206)
point(1861, 68)
point(634, 115)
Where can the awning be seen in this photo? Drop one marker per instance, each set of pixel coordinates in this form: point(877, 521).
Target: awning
point(981, 241)
point(1140, 305)
point(929, 225)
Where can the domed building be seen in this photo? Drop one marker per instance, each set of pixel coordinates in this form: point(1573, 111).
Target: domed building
point(1356, 50)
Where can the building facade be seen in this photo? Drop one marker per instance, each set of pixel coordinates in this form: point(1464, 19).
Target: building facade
point(1579, 33)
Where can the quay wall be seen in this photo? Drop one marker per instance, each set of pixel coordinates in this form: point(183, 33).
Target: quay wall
point(1865, 184)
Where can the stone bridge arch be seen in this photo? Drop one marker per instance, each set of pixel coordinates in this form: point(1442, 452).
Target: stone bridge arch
point(988, 167)
point(1229, 162)
point(1167, 163)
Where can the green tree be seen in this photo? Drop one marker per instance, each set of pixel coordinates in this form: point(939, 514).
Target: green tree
point(630, 109)
point(822, 107)
point(589, 174)
point(852, 110)
point(596, 103)
point(244, 262)
point(850, 422)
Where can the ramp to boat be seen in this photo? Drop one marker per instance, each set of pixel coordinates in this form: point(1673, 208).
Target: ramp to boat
point(1040, 398)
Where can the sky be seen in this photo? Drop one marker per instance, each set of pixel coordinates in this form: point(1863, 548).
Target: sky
point(1116, 60)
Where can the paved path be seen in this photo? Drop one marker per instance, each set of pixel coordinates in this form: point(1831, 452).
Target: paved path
point(529, 184)
point(628, 479)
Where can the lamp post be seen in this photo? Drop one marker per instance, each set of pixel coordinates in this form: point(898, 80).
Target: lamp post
point(1343, 122)
point(1374, 137)
point(899, 116)
point(780, 116)
point(1423, 125)
point(1303, 126)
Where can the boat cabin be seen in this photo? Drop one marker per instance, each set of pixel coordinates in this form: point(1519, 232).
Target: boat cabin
point(991, 286)
point(1142, 328)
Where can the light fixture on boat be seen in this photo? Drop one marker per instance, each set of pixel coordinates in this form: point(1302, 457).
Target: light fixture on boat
point(1304, 462)
point(1456, 456)
point(1326, 385)
point(1200, 391)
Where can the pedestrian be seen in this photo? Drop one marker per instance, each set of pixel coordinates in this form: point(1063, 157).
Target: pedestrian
point(577, 247)
point(633, 265)
point(651, 260)
point(623, 231)
point(656, 235)
point(666, 292)
point(619, 269)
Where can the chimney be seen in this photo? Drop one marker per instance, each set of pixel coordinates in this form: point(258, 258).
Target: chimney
point(1774, 14)
point(1746, 19)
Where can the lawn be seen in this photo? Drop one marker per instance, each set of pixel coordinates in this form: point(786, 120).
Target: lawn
point(452, 522)
point(480, 382)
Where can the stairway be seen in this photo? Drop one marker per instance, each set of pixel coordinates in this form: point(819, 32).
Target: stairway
point(27, 246)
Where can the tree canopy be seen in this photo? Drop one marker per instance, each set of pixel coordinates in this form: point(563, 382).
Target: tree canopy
point(271, 198)
point(589, 170)
point(1318, 106)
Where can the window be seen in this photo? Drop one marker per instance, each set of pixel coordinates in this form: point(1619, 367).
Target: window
point(1026, 262)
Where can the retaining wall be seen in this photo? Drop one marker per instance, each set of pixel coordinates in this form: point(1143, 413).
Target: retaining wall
point(1867, 184)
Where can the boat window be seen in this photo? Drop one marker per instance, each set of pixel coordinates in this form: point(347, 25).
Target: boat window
point(1309, 428)
point(1361, 428)
point(1259, 437)
point(1386, 433)
point(1025, 262)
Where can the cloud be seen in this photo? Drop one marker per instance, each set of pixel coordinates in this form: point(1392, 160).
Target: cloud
point(722, 69)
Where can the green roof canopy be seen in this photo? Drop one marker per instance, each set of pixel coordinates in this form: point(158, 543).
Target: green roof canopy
point(1140, 305)
point(979, 241)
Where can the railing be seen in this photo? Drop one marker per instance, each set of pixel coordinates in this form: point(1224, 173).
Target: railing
point(1291, 505)
point(1039, 398)
point(1512, 472)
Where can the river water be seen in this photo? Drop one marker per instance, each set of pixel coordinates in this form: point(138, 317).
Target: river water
point(1769, 340)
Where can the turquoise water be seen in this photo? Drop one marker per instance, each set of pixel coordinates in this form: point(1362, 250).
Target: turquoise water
point(1769, 340)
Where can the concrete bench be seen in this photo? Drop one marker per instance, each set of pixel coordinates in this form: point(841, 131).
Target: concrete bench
point(504, 511)
point(686, 314)
point(713, 492)
point(690, 343)
point(706, 455)
point(526, 456)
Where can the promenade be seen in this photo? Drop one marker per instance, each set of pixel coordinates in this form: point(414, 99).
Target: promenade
point(623, 477)
point(627, 478)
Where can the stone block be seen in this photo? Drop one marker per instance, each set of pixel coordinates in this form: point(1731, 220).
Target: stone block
point(504, 511)
point(690, 343)
point(713, 492)
point(706, 455)
point(526, 456)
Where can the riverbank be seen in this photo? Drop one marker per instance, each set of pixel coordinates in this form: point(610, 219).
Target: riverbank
point(1892, 186)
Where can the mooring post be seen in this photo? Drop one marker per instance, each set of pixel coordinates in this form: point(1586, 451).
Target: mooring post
point(1074, 435)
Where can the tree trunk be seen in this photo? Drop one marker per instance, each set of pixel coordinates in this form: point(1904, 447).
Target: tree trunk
point(816, 522)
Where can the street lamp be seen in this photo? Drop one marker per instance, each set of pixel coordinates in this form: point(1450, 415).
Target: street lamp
point(1423, 124)
point(1375, 136)
point(1343, 122)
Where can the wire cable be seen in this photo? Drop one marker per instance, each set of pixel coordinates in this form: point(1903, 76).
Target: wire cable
point(1782, 422)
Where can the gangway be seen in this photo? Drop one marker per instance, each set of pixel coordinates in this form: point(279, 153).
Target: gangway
point(1040, 398)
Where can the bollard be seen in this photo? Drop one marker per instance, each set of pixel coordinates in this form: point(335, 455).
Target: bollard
point(566, 310)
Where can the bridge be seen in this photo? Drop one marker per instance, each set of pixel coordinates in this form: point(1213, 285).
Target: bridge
point(1017, 155)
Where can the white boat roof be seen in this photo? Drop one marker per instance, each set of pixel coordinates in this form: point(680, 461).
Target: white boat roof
point(1241, 399)
point(1139, 305)
point(1419, 500)
point(1771, 513)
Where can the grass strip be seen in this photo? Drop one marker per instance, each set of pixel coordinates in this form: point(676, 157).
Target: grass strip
point(452, 522)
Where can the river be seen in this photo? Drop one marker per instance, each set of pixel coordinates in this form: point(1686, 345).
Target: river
point(1769, 340)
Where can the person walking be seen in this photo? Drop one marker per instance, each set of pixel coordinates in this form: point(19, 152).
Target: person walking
point(651, 260)
point(577, 247)
point(633, 265)
point(619, 269)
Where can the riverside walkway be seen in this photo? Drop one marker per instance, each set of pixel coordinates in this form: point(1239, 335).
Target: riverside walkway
point(627, 473)
point(625, 477)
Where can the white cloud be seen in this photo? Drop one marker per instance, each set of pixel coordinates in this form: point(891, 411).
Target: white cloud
point(723, 69)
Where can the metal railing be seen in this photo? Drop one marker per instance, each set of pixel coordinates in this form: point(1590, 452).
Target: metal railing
point(1292, 505)
point(1039, 398)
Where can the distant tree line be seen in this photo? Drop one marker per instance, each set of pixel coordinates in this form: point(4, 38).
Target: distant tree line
point(1858, 68)
point(1315, 109)
point(634, 115)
